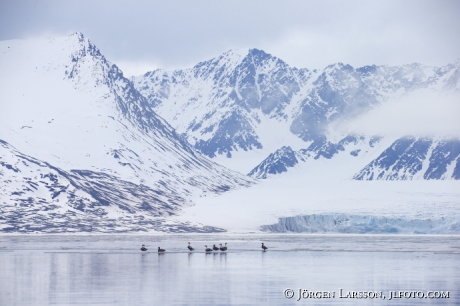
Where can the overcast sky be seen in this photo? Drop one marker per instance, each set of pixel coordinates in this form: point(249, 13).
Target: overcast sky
point(143, 35)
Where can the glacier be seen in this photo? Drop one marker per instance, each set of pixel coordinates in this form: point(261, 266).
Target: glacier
point(363, 224)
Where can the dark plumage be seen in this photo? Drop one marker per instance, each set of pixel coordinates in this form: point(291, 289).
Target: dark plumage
point(143, 248)
point(223, 248)
point(190, 247)
point(206, 249)
point(264, 247)
point(215, 248)
point(160, 250)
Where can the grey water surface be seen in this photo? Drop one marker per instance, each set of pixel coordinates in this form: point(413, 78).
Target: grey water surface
point(111, 269)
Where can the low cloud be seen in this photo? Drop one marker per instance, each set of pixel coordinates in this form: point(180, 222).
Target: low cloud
point(420, 114)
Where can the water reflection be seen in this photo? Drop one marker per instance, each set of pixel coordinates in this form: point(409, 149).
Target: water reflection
point(99, 274)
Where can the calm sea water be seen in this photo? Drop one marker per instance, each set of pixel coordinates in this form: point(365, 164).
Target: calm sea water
point(111, 270)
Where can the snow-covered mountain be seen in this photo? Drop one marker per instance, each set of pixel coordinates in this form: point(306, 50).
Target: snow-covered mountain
point(250, 103)
point(406, 158)
point(64, 104)
point(85, 149)
point(235, 102)
point(416, 157)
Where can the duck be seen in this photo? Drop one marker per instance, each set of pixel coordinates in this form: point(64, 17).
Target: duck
point(143, 248)
point(215, 248)
point(206, 249)
point(264, 247)
point(223, 248)
point(160, 250)
point(190, 247)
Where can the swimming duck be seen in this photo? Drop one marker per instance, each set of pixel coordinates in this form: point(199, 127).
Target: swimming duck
point(206, 249)
point(215, 248)
point(223, 248)
point(143, 248)
point(190, 247)
point(160, 250)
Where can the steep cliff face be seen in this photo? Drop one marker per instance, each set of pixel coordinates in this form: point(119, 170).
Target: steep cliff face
point(363, 224)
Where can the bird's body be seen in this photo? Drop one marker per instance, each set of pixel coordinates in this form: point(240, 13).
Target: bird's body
point(160, 250)
point(190, 247)
point(143, 248)
point(223, 248)
point(215, 248)
point(264, 247)
point(206, 249)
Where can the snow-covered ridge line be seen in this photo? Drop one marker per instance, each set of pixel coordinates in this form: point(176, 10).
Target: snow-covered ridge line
point(363, 224)
point(228, 104)
point(66, 104)
point(130, 103)
point(95, 118)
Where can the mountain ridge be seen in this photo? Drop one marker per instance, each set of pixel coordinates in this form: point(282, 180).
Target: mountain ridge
point(79, 114)
point(224, 110)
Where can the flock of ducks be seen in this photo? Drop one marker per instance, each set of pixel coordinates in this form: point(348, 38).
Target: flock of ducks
point(206, 249)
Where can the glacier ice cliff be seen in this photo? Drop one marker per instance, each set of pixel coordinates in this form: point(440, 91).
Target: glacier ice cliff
point(364, 224)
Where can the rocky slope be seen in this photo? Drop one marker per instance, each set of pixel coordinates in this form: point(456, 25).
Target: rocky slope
point(38, 197)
